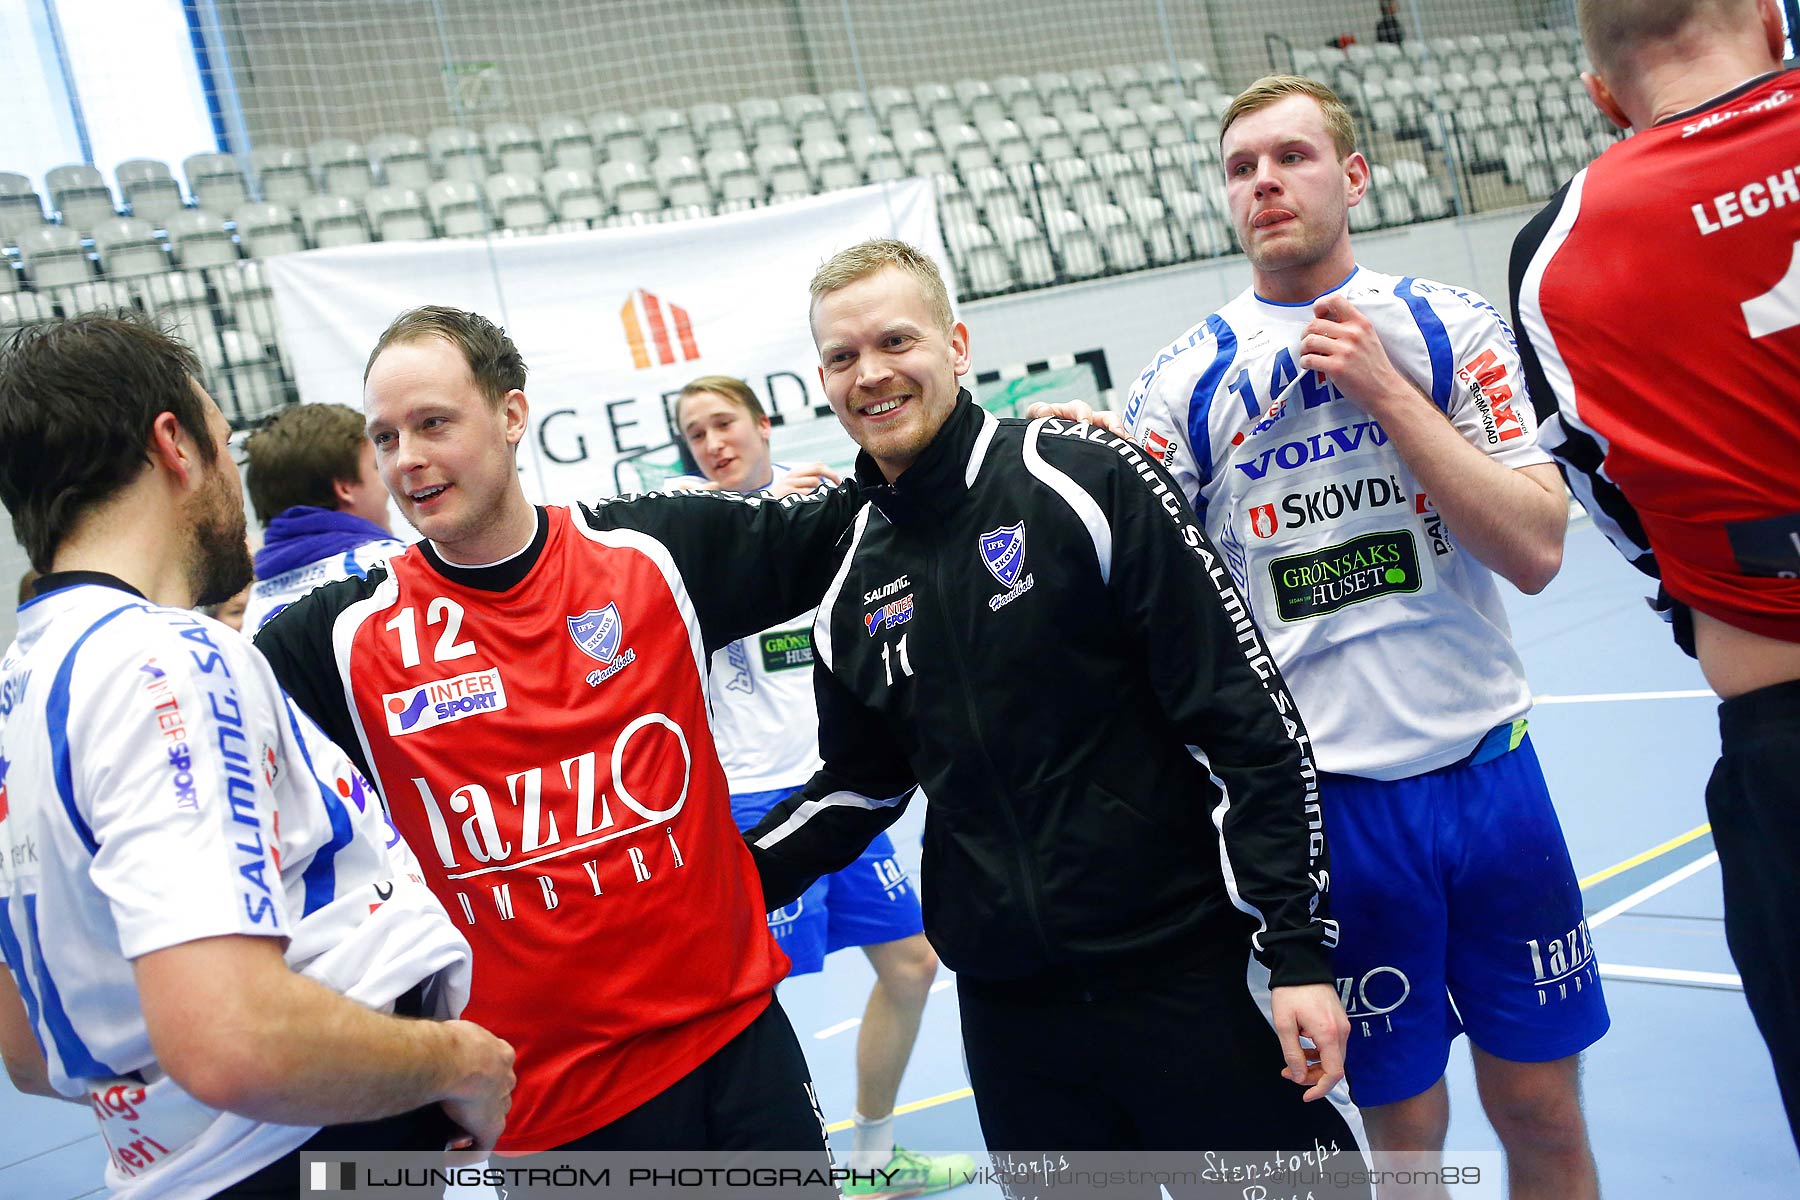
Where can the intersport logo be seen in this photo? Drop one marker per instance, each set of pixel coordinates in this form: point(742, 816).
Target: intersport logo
point(650, 324)
point(441, 701)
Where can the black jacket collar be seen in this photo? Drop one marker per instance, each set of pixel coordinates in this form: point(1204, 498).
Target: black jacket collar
point(934, 486)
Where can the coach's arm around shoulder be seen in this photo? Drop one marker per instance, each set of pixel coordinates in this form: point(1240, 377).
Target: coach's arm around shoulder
point(240, 1031)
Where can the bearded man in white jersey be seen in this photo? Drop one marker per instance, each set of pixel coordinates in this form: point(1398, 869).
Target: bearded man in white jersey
point(1362, 449)
point(212, 935)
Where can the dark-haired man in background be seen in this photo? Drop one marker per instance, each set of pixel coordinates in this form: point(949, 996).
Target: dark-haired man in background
point(313, 483)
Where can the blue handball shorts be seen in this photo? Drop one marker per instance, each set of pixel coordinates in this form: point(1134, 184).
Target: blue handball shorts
point(868, 902)
point(1459, 911)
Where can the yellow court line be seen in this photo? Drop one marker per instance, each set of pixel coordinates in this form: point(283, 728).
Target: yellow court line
point(1646, 856)
point(913, 1106)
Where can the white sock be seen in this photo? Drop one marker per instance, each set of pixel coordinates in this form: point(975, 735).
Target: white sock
point(871, 1142)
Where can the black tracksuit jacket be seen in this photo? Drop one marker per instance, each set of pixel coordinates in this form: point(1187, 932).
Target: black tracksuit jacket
point(1032, 625)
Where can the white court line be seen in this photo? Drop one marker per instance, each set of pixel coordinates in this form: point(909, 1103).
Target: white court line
point(1605, 697)
point(1644, 893)
point(853, 1022)
point(1716, 979)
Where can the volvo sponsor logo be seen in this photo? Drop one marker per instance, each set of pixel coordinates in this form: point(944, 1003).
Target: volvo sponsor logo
point(1289, 456)
point(441, 701)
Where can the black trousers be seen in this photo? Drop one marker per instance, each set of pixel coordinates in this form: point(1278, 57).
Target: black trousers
point(1188, 1062)
point(755, 1094)
point(1753, 801)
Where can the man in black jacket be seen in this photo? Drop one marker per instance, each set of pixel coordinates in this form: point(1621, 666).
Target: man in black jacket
point(1119, 826)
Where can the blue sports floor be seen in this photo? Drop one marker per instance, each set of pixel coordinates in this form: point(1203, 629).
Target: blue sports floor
point(1680, 1096)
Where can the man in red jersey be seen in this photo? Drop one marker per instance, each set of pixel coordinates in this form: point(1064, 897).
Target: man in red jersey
point(527, 687)
point(1657, 303)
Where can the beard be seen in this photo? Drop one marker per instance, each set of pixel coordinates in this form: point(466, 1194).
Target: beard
point(219, 559)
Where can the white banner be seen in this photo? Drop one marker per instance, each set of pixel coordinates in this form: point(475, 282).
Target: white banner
point(611, 323)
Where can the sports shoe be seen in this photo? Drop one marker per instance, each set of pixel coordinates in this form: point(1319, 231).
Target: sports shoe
point(910, 1173)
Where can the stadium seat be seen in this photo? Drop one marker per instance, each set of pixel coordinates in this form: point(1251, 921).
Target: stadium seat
point(53, 256)
point(150, 191)
point(179, 298)
point(456, 208)
point(266, 230)
point(875, 156)
point(401, 160)
point(710, 118)
point(128, 247)
point(341, 167)
point(829, 164)
point(920, 151)
point(20, 208)
point(668, 133)
point(894, 105)
point(1005, 141)
point(761, 120)
point(513, 149)
point(732, 176)
point(567, 143)
point(22, 309)
point(398, 214)
point(281, 174)
point(781, 169)
point(807, 116)
point(80, 197)
point(253, 379)
point(628, 187)
point(618, 137)
point(989, 271)
point(197, 238)
point(573, 195)
point(1019, 97)
point(456, 154)
point(1074, 245)
point(332, 221)
point(679, 178)
point(1047, 139)
point(9, 275)
point(517, 202)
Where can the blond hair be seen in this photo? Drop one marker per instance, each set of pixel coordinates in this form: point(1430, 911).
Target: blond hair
point(730, 387)
point(865, 259)
point(1271, 89)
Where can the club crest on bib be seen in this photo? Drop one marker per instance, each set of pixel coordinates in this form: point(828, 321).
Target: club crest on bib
point(597, 632)
point(1003, 550)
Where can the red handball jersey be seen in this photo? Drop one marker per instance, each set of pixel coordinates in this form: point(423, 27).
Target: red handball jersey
point(1657, 304)
point(539, 730)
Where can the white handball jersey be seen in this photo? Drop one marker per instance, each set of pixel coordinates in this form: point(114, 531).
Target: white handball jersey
point(156, 787)
point(764, 718)
point(1392, 637)
point(269, 596)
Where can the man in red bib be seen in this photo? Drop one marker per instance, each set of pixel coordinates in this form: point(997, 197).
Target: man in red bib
point(527, 688)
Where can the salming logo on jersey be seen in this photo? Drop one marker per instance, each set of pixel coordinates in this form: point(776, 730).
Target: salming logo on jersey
point(443, 700)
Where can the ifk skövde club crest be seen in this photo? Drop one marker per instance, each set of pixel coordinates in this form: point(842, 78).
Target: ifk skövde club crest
point(1003, 550)
point(597, 632)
